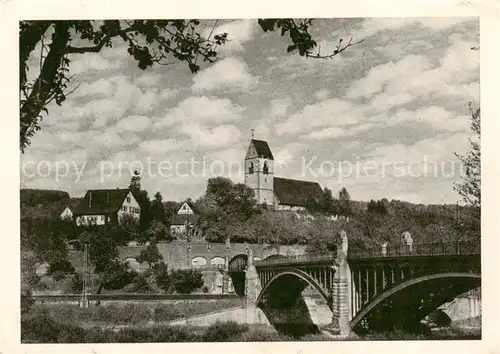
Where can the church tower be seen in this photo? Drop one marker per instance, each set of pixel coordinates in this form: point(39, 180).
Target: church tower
point(259, 171)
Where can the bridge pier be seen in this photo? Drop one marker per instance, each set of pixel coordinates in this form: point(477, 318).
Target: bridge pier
point(341, 292)
point(253, 287)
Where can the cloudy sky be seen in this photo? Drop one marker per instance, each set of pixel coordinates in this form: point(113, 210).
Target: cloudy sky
point(383, 119)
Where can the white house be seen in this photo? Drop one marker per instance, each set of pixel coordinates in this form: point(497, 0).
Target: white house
point(184, 218)
point(101, 206)
point(279, 193)
point(66, 213)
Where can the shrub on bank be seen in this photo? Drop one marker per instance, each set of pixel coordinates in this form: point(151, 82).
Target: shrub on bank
point(224, 332)
point(129, 314)
point(261, 334)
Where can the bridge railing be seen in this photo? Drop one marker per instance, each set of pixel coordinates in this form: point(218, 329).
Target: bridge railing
point(296, 259)
point(206, 267)
point(423, 249)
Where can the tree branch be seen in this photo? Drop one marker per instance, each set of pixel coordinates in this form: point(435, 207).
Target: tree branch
point(95, 49)
point(339, 49)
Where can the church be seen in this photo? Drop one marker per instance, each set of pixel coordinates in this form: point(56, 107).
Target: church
point(278, 193)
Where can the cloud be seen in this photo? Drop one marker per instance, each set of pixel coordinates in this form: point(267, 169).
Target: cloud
point(160, 146)
point(332, 132)
point(134, 123)
point(403, 71)
point(288, 154)
point(204, 110)
point(92, 62)
point(229, 73)
point(385, 101)
point(279, 107)
point(207, 110)
point(371, 26)
point(415, 76)
point(322, 94)
point(431, 149)
point(101, 87)
point(239, 32)
point(219, 136)
point(338, 132)
point(117, 96)
point(321, 114)
point(149, 79)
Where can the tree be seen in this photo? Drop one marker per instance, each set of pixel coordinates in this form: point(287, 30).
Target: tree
point(151, 255)
point(103, 255)
point(157, 232)
point(149, 42)
point(158, 209)
point(61, 268)
point(41, 237)
point(162, 277)
point(378, 207)
point(185, 281)
point(29, 279)
point(470, 186)
point(344, 202)
point(129, 227)
point(143, 199)
point(225, 205)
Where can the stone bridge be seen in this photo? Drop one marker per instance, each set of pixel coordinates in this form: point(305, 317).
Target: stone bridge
point(368, 291)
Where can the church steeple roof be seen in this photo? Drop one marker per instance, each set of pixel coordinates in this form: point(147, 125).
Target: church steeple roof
point(262, 148)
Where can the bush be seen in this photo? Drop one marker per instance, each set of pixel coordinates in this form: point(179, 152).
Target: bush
point(224, 332)
point(58, 275)
point(166, 313)
point(128, 314)
point(259, 334)
point(26, 301)
point(186, 281)
point(76, 283)
point(61, 267)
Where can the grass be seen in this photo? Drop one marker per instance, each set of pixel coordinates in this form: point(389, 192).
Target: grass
point(130, 314)
point(58, 324)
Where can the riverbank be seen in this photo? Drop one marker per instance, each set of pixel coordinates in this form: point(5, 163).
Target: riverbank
point(44, 329)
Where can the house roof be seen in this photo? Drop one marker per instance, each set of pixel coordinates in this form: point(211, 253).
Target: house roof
point(295, 192)
point(262, 148)
point(72, 204)
point(191, 205)
point(183, 219)
point(101, 201)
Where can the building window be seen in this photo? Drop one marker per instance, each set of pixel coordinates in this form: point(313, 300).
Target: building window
point(265, 179)
point(124, 208)
point(128, 199)
point(102, 217)
point(265, 169)
point(250, 168)
point(198, 261)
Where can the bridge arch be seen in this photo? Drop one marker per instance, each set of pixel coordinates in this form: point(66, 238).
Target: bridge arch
point(377, 300)
point(236, 268)
point(296, 273)
point(275, 256)
point(238, 263)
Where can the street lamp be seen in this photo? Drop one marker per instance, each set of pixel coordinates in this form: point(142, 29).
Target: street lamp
point(84, 302)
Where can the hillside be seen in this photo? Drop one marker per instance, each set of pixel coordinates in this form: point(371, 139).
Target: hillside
point(45, 204)
point(36, 197)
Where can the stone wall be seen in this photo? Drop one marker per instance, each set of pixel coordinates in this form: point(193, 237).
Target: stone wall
point(180, 255)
